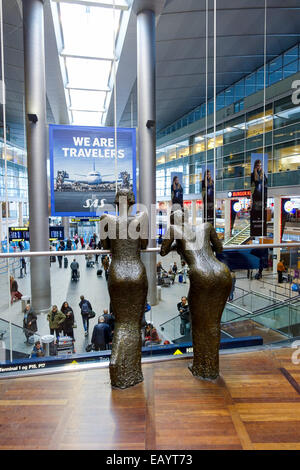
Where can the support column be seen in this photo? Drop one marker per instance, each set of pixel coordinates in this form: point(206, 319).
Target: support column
point(35, 104)
point(276, 230)
point(20, 218)
point(194, 212)
point(146, 134)
point(1, 227)
point(227, 233)
point(66, 225)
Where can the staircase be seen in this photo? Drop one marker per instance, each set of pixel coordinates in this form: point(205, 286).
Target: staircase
point(240, 238)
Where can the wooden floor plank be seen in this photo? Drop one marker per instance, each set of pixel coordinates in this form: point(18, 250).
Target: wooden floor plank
point(251, 406)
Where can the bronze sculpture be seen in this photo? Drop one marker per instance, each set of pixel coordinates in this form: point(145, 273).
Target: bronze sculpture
point(128, 287)
point(210, 285)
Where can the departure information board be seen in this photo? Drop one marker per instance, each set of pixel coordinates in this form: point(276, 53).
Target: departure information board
point(17, 234)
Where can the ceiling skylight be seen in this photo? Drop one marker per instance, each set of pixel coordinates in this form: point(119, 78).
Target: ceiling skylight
point(88, 32)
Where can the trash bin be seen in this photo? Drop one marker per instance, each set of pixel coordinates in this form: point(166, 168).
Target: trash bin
point(47, 340)
point(158, 293)
point(24, 301)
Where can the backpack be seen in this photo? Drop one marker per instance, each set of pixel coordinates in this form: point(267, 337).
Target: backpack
point(85, 307)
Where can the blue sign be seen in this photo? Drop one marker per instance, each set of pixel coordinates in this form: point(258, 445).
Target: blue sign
point(86, 165)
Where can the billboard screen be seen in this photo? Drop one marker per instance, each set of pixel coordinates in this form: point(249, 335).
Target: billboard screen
point(86, 164)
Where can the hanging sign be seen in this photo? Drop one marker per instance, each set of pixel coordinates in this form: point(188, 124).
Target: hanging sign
point(86, 164)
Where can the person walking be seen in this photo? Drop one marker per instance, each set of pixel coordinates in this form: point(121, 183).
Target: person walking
point(109, 319)
point(29, 322)
point(184, 313)
point(101, 335)
point(105, 263)
point(280, 269)
point(86, 309)
point(59, 257)
point(69, 244)
point(69, 321)
point(56, 320)
point(74, 268)
point(230, 298)
point(14, 292)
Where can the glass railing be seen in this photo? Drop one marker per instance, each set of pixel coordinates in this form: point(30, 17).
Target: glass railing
point(259, 308)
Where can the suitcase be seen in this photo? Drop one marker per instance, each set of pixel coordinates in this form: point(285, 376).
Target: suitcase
point(180, 278)
point(99, 272)
point(66, 262)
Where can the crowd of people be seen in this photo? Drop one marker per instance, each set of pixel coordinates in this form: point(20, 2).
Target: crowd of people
point(167, 277)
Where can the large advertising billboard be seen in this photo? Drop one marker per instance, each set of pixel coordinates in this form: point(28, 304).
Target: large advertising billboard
point(86, 164)
point(259, 190)
point(207, 187)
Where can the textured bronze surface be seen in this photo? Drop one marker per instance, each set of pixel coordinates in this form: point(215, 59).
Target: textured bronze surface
point(128, 287)
point(210, 285)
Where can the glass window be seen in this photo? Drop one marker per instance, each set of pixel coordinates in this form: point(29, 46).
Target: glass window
point(239, 90)
point(257, 123)
point(291, 55)
point(260, 78)
point(290, 69)
point(275, 77)
point(250, 84)
point(286, 157)
point(275, 64)
point(220, 100)
point(229, 96)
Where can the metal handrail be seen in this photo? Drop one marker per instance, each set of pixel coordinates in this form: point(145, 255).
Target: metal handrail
point(147, 250)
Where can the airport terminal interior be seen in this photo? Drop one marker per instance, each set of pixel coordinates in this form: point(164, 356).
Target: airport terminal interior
point(192, 109)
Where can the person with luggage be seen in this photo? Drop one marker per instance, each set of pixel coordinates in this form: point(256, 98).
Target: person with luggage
point(86, 309)
point(101, 335)
point(29, 322)
point(74, 267)
point(98, 247)
point(56, 320)
point(69, 321)
point(183, 272)
point(184, 313)
point(14, 292)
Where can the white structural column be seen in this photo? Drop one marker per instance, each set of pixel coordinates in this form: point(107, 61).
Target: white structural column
point(20, 214)
point(146, 134)
point(1, 227)
point(194, 212)
point(66, 225)
point(35, 107)
point(227, 233)
point(276, 230)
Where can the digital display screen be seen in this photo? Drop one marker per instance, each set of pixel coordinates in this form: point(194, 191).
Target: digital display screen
point(18, 234)
point(56, 233)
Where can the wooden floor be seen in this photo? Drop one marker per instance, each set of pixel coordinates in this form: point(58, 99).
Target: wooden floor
point(255, 405)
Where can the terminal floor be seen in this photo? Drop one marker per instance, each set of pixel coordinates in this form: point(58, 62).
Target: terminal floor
point(95, 289)
point(255, 405)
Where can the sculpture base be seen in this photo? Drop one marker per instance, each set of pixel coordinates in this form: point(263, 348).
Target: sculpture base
point(119, 379)
point(203, 374)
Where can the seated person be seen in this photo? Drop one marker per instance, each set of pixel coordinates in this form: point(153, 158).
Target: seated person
point(152, 337)
point(38, 350)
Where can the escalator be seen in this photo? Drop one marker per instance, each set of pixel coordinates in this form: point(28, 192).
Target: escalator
point(240, 238)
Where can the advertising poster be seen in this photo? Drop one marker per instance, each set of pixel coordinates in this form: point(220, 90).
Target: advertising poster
point(84, 170)
point(259, 194)
point(235, 207)
point(177, 188)
point(207, 188)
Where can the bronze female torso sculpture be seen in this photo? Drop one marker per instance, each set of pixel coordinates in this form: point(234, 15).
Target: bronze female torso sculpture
point(128, 287)
point(210, 285)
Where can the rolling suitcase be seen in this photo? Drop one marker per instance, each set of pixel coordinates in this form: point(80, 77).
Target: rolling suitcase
point(99, 272)
point(180, 278)
point(66, 262)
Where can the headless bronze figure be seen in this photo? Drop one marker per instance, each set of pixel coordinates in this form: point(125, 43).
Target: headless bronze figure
point(128, 287)
point(210, 285)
